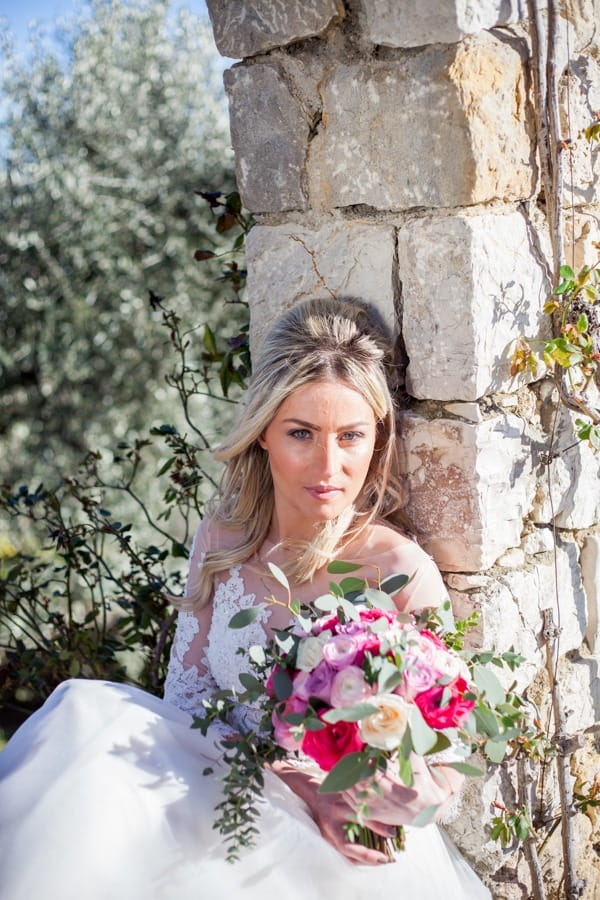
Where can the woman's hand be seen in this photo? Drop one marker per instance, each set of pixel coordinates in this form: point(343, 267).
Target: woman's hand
point(331, 812)
point(395, 804)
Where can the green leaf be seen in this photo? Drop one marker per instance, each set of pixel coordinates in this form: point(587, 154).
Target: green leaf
point(338, 567)
point(350, 713)
point(245, 617)
point(350, 585)
point(394, 583)
point(405, 770)
point(379, 599)
point(282, 684)
point(208, 339)
point(346, 773)
point(486, 721)
point(425, 816)
point(423, 737)
point(466, 769)
point(257, 655)
point(251, 683)
point(279, 575)
point(489, 685)
point(582, 323)
point(495, 750)
point(326, 603)
point(566, 272)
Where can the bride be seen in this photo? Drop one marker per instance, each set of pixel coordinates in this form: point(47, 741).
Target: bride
point(103, 794)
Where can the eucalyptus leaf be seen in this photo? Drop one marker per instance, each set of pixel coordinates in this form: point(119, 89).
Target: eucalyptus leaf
point(251, 683)
point(394, 583)
point(425, 816)
point(257, 654)
point(346, 773)
point(379, 599)
point(489, 685)
point(339, 567)
point(466, 769)
point(423, 737)
point(353, 713)
point(326, 603)
point(245, 617)
point(495, 750)
point(352, 585)
point(279, 575)
point(282, 684)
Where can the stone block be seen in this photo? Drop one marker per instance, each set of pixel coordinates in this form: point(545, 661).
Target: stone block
point(288, 263)
point(579, 102)
point(470, 287)
point(413, 23)
point(247, 27)
point(570, 495)
point(469, 487)
point(446, 126)
point(269, 132)
point(590, 574)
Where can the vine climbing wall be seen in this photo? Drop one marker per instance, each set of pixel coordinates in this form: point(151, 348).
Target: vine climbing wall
point(394, 150)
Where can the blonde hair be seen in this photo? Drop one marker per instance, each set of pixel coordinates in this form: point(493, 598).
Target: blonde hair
point(317, 340)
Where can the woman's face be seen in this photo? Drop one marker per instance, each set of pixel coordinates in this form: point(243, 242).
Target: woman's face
point(320, 445)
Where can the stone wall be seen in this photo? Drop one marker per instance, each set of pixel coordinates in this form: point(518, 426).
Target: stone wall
point(388, 150)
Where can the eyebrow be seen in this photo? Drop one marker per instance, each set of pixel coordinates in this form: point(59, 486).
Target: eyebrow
point(348, 427)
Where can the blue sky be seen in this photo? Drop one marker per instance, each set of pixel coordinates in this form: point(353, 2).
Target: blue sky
point(19, 13)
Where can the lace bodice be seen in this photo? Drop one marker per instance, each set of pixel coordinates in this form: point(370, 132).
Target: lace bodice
point(209, 656)
point(224, 656)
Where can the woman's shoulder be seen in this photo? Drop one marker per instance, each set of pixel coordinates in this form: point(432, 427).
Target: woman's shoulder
point(394, 553)
point(214, 535)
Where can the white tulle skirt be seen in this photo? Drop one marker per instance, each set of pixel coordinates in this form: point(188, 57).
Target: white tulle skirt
point(103, 797)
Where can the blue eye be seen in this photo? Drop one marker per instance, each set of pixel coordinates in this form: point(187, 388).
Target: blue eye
point(300, 434)
point(351, 436)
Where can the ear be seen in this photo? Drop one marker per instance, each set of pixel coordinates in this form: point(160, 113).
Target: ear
point(261, 441)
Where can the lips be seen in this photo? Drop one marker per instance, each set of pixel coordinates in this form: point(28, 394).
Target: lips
point(323, 491)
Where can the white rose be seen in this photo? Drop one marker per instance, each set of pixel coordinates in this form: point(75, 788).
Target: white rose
point(385, 728)
point(452, 666)
point(310, 651)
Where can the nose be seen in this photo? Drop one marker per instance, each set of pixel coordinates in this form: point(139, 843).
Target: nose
point(327, 457)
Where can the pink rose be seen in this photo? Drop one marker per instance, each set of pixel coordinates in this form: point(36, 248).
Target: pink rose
point(282, 730)
point(315, 684)
point(453, 713)
point(340, 650)
point(331, 743)
point(349, 687)
point(418, 676)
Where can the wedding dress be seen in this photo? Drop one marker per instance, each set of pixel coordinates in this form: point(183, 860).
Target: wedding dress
point(103, 797)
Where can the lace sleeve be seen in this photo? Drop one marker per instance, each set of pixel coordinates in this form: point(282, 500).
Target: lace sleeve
point(189, 680)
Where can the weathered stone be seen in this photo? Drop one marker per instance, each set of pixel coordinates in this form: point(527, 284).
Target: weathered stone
point(470, 411)
point(247, 27)
point(460, 329)
point(460, 582)
point(580, 100)
point(420, 131)
point(288, 263)
point(539, 541)
point(269, 131)
point(512, 559)
point(412, 23)
point(469, 487)
point(534, 590)
point(590, 574)
point(574, 480)
point(582, 233)
point(582, 17)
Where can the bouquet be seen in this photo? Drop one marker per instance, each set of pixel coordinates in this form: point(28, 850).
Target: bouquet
point(355, 686)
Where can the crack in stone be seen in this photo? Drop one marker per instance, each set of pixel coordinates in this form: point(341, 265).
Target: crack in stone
point(311, 253)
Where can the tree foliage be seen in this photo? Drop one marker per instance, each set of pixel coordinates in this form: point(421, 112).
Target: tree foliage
point(107, 139)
